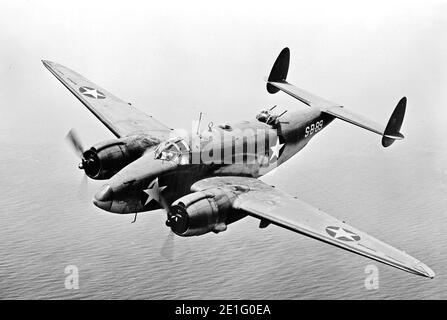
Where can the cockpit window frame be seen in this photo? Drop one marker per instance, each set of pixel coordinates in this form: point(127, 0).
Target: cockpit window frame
point(180, 154)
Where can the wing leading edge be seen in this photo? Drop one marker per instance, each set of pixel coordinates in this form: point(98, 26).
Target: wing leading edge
point(118, 116)
point(269, 204)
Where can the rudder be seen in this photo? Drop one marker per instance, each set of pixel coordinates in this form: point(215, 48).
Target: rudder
point(392, 129)
point(279, 70)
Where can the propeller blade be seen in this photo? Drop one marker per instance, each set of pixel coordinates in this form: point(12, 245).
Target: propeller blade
point(75, 142)
point(167, 250)
point(166, 207)
point(82, 193)
point(164, 203)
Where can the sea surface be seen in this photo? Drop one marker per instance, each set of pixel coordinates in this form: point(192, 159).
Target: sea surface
point(174, 60)
point(398, 195)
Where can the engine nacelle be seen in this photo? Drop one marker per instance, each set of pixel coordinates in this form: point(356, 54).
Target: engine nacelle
point(106, 158)
point(201, 212)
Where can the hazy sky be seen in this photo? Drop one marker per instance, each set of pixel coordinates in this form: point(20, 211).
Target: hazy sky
point(175, 59)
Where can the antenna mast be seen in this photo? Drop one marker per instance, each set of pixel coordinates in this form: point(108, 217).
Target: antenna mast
point(200, 120)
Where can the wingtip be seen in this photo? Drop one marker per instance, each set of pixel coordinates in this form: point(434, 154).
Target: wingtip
point(46, 63)
point(430, 273)
point(425, 270)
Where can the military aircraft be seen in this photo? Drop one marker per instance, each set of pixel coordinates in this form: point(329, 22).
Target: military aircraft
point(208, 180)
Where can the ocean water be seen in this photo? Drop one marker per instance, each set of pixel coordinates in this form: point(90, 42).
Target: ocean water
point(174, 60)
point(397, 195)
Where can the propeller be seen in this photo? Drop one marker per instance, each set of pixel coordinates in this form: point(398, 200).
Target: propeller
point(73, 139)
point(76, 144)
point(82, 193)
point(167, 250)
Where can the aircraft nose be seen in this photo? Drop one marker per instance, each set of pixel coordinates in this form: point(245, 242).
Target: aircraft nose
point(104, 198)
point(104, 205)
point(105, 194)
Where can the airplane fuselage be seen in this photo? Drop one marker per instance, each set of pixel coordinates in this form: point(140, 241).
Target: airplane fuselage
point(246, 148)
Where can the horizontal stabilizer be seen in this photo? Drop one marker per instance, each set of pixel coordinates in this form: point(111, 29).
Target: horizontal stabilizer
point(277, 81)
point(389, 134)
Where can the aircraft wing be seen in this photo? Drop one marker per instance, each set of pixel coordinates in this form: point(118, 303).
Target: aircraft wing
point(118, 116)
point(271, 205)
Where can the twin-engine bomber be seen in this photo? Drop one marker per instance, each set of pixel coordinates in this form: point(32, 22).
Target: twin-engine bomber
point(207, 180)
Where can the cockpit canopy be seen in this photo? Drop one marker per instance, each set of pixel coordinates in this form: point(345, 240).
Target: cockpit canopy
point(176, 150)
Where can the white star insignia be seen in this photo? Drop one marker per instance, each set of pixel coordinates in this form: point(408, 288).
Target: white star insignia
point(276, 148)
point(341, 233)
point(92, 92)
point(153, 191)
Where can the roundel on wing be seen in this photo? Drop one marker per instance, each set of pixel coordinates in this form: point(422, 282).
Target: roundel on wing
point(91, 92)
point(343, 234)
